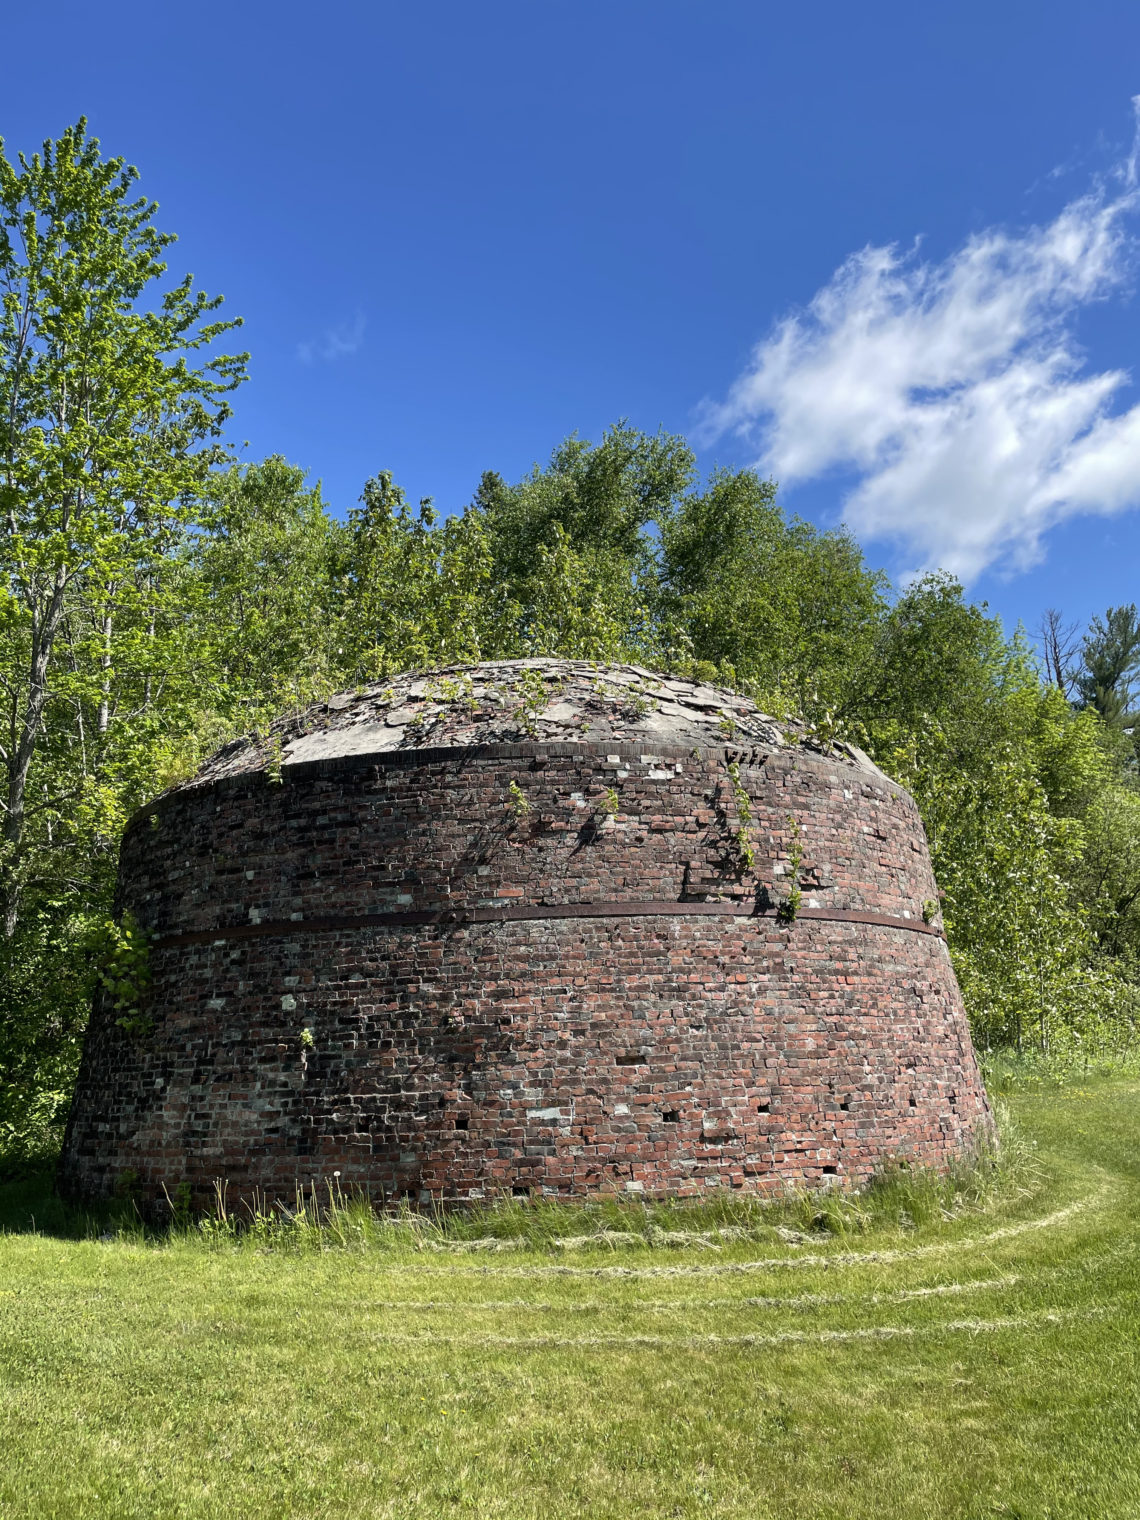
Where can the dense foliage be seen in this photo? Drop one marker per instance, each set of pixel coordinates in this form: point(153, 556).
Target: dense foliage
point(155, 599)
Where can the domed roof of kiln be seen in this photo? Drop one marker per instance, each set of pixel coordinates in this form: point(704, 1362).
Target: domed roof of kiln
point(541, 701)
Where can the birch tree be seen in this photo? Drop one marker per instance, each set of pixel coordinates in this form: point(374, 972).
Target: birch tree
point(109, 427)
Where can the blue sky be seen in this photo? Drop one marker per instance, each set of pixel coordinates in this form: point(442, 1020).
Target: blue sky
point(459, 232)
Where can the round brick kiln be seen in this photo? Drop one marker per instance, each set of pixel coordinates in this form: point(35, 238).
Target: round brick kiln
point(529, 926)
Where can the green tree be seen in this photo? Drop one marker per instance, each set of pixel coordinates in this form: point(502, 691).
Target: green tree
point(107, 438)
point(1110, 662)
point(416, 591)
point(267, 570)
point(1005, 774)
point(575, 545)
point(933, 654)
point(604, 497)
point(1005, 862)
point(1109, 878)
point(776, 605)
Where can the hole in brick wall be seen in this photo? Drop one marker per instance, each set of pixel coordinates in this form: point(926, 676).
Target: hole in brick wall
point(520, 1191)
point(831, 1171)
point(630, 1058)
point(914, 1103)
point(671, 1116)
point(764, 1108)
point(845, 1106)
point(463, 1122)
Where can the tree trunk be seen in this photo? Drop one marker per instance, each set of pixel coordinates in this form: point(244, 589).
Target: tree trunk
point(105, 678)
point(20, 762)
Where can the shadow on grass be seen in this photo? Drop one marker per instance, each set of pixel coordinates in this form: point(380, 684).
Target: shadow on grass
point(29, 1204)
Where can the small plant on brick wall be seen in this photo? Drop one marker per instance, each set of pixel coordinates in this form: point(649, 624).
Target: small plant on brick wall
point(518, 803)
point(532, 696)
point(789, 908)
point(745, 854)
point(632, 703)
point(461, 692)
point(124, 972)
point(420, 725)
point(610, 802)
point(822, 727)
point(308, 1043)
point(274, 758)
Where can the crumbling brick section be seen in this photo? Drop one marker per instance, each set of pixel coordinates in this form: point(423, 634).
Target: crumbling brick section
point(464, 971)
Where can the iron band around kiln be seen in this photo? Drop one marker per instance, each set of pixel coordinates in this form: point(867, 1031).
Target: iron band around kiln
point(515, 913)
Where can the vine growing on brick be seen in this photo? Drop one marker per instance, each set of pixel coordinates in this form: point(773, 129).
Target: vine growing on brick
point(124, 972)
point(745, 852)
point(518, 803)
point(789, 909)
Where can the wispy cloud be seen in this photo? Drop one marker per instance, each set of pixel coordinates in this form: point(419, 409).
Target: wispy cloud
point(954, 392)
point(334, 342)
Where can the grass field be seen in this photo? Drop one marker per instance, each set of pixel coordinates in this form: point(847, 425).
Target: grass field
point(920, 1362)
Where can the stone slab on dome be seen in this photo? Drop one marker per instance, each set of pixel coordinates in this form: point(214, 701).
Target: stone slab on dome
point(498, 702)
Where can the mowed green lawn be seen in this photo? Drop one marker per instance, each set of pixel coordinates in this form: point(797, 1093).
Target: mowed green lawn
point(987, 1364)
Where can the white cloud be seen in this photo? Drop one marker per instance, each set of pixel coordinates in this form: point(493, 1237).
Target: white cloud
point(954, 392)
point(335, 342)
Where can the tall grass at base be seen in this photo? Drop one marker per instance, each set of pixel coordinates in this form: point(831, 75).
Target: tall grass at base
point(324, 1216)
point(1006, 1070)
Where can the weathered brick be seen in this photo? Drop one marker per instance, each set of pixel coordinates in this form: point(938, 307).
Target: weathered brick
point(458, 1058)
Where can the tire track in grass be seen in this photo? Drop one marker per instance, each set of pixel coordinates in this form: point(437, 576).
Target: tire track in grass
point(668, 1305)
point(1089, 1263)
point(1043, 1318)
point(1081, 1268)
point(826, 1262)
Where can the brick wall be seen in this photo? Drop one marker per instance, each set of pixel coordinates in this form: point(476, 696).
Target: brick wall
point(446, 973)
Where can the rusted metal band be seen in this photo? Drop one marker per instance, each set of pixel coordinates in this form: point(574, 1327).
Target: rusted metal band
point(517, 912)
